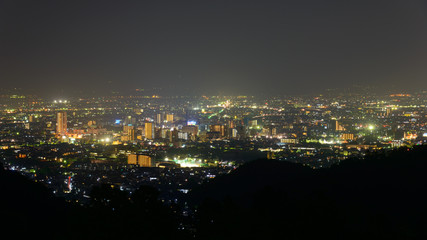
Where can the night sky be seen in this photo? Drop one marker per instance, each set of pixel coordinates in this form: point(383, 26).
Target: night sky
point(212, 47)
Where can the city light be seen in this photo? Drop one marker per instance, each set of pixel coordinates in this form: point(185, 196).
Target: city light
point(213, 119)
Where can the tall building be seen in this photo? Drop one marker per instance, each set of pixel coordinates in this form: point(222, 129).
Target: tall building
point(149, 130)
point(173, 135)
point(159, 118)
point(129, 132)
point(231, 124)
point(61, 124)
point(221, 129)
point(234, 133)
point(140, 160)
point(169, 117)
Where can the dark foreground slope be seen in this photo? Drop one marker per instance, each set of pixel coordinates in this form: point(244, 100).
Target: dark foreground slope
point(382, 197)
point(30, 211)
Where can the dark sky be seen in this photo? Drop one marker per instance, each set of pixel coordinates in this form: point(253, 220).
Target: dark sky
point(238, 47)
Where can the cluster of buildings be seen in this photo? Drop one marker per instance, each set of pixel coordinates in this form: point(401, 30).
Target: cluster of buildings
point(199, 132)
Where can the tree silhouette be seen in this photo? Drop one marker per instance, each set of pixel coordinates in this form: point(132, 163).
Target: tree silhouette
point(381, 196)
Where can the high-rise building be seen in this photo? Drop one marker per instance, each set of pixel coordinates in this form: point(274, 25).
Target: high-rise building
point(159, 119)
point(221, 129)
point(129, 132)
point(149, 130)
point(140, 160)
point(173, 135)
point(61, 124)
point(234, 133)
point(169, 117)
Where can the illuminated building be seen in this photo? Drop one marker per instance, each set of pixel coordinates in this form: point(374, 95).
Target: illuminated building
point(221, 129)
point(61, 124)
point(191, 122)
point(410, 135)
point(338, 126)
point(140, 160)
point(231, 124)
point(159, 119)
point(183, 135)
point(129, 133)
point(234, 133)
point(169, 117)
point(215, 128)
point(347, 136)
point(149, 130)
point(289, 140)
point(164, 133)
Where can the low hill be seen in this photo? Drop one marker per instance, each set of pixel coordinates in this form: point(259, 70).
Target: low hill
point(29, 209)
point(381, 196)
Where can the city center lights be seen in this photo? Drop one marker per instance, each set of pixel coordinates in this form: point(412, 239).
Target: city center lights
point(196, 120)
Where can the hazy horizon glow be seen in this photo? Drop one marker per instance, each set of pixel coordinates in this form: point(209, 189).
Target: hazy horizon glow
point(229, 47)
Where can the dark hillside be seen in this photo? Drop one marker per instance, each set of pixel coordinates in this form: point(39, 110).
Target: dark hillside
point(382, 196)
point(29, 209)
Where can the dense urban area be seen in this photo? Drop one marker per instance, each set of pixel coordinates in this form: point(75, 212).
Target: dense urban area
point(175, 143)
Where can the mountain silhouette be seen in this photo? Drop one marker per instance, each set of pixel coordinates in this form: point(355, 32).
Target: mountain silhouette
point(381, 196)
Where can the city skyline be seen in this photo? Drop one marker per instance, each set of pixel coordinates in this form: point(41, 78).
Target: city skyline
point(220, 119)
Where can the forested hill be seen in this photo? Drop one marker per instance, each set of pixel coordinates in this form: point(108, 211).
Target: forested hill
point(29, 209)
point(381, 196)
